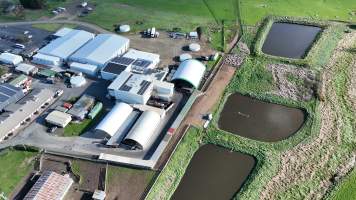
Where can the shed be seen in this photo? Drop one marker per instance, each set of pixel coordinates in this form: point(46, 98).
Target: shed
point(114, 119)
point(58, 118)
point(85, 68)
point(189, 73)
point(95, 110)
point(47, 60)
point(144, 133)
point(26, 68)
point(10, 59)
point(47, 73)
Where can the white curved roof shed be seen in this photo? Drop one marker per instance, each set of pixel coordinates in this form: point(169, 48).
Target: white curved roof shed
point(143, 133)
point(190, 71)
point(115, 118)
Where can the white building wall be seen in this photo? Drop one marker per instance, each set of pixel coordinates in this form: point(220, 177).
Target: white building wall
point(85, 68)
point(42, 59)
point(11, 59)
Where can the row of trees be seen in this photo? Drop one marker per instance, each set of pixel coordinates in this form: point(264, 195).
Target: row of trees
point(33, 4)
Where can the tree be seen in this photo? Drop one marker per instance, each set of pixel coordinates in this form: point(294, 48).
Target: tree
point(33, 4)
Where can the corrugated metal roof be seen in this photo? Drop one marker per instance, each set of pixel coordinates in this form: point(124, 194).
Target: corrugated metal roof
point(101, 49)
point(64, 46)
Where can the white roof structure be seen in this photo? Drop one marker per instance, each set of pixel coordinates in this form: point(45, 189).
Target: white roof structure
point(50, 185)
point(135, 54)
point(43, 59)
point(124, 28)
point(65, 46)
point(143, 133)
point(194, 47)
point(58, 118)
point(115, 118)
point(85, 68)
point(190, 71)
point(185, 56)
point(77, 81)
point(11, 59)
point(25, 68)
point(63, 31)
point(101, 49)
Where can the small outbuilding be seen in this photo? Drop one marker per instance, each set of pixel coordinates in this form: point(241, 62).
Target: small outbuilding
point(10, 59)
point(58, 118)
point(26, 69)
point(189, 73)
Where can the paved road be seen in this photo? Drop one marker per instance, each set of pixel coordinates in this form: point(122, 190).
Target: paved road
point(79, 23)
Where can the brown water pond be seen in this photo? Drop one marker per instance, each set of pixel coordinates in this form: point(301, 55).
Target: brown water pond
point(259, 120)
point(214, 173)
point(290, 40)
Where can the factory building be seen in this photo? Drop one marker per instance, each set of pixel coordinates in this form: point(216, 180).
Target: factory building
point(189, 73)
point(50, 185)
point(58, 118)
point(84, 68)
point(25, 109)
point(26, 69)
point(9, 94)
point(114, 119)
point(113, 69)
point(62, 47)
point(131, 88)
point(82, 107)
point(144, 133)
point(101, 49)
point(10, 59)
point(142, 61)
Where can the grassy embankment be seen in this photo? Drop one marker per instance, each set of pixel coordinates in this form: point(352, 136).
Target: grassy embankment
point(14, 166)
point(53, 27)
point(346, 189)
point(77, 129)
point(255, 80)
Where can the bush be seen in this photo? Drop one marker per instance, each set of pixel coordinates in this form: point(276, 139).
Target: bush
point(33, 4)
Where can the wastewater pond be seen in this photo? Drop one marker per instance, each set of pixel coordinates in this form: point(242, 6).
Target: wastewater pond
point(259, 120)
point(290, 40)
point(214, 173)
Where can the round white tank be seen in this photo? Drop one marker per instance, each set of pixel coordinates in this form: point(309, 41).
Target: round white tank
point(77, 81)
point(144, 132)
point(115, 118)
point(194, 47)
point(185, 56)
point(124, 28)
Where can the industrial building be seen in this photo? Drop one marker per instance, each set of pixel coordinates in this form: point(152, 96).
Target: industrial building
point(82, 107)
point(25, 109)
point(144, 132)
point(50, 185)
point(189, 73)
point(101, 49)
point(26, 69)
point(114, 119)
point(20, 81)
point(62, 47)
point(142, 61)
point(10, 59)
point(131, 88)
point(84, 68)
point(58, 118)
point(9, 94)
point(62, 32)
point(112, 70)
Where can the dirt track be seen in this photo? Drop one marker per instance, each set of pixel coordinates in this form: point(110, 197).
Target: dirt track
point(303, 163)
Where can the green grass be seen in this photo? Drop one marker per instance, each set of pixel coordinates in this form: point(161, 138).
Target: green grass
point(76, 129)
point(14, 166)
point(52, 27)
point(347, 189)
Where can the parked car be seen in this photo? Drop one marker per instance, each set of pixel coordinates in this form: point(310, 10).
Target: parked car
point(52, 129)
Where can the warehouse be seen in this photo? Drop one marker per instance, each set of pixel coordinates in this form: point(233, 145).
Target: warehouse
point(47, 60)
point(114, 119)
point(50, 185)
point(143, 61)
point(58, 118)
point(144, 133)
point(101, 49)
point(81, 107)
point(9, 94)
point(10, 59)
point(63, 47)
point(26, 109)
point(85, 68)
point(189, 73)
point(26, 69)
point(112, 70)
point(131, 88)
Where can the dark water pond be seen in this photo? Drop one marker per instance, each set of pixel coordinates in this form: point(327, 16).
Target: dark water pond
point(259, 120)
point(214, 173)
point(289, 40)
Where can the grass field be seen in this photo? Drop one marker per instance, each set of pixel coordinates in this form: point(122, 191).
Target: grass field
point(76, 129)
point(14, 166)
point(53, 27)
point(347, 188)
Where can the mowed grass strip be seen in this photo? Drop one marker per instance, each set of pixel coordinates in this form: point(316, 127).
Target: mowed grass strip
point(76, 129)
point(51, 27)
point(347, 189)
point(14, 166)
